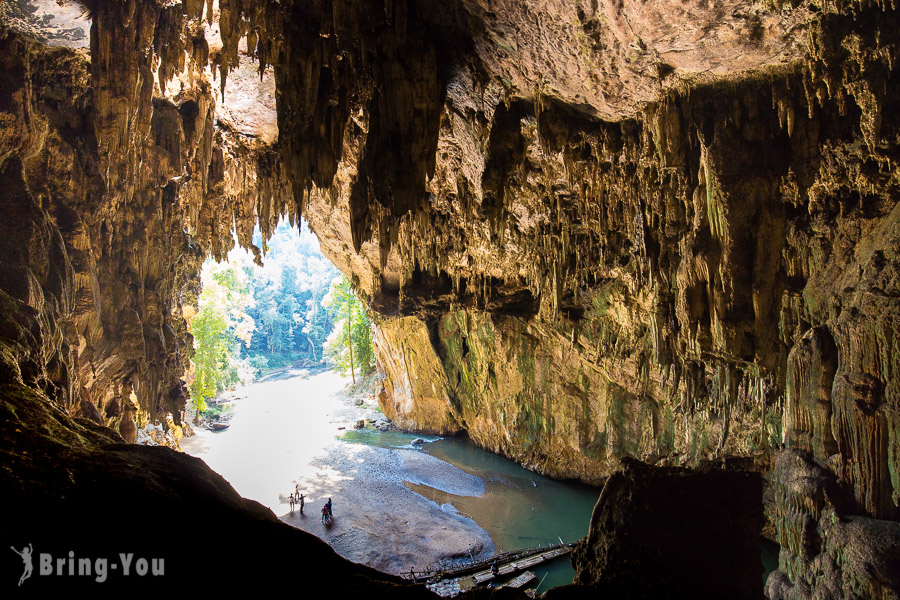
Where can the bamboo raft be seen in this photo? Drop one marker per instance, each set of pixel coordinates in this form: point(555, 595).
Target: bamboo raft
point(519, 557)
point(451, 582)
point(521, 564)
point(523, 579)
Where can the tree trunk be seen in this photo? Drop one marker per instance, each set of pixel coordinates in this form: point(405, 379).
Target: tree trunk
point(350, 341)
point(312, 347)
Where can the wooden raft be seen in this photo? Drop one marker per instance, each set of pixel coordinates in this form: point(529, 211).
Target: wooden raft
point(523, 579)
point(521, 564)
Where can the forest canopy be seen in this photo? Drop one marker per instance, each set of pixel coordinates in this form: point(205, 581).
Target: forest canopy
point(295, 309)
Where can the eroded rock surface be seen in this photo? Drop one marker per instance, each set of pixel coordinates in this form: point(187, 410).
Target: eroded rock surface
point(123, 190)
point(826, 551)
point(699, 271)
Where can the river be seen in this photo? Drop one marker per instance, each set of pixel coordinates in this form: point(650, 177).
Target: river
point(398, 506)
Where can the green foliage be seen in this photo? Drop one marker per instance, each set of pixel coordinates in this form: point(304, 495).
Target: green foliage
point(291, 324)
point(211, 358)
point(259, 363)
point(220, 328)
point(349, 346)
point(252, 319)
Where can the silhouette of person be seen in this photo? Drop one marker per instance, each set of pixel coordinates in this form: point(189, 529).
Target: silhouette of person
point(301, 496)
point(26, 558)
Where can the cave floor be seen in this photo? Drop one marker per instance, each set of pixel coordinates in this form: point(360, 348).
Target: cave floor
point(285, 433)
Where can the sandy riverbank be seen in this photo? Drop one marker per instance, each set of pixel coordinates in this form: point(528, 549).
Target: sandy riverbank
point(284, 434)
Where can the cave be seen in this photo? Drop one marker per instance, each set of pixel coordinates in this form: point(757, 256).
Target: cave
point(648, 246)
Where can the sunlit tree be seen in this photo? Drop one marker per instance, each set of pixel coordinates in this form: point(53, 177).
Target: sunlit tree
point(219, 327)
point(349, 346)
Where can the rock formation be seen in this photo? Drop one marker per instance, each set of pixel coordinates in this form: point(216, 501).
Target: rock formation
point(826, 551)
point(700, 268)
point(589, 231)
point(695, 530)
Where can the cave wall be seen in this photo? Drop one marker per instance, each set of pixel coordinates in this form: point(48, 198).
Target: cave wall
point(658, 275)
point(703, 271)
point(694, 311)
point(135, 185)
point(672, 249)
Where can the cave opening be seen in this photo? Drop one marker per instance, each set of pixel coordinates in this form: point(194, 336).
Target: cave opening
point(254, 318)
point(277, 411)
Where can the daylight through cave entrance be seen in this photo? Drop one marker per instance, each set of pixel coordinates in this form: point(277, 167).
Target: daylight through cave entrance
point(283, 402)
point(254, 321)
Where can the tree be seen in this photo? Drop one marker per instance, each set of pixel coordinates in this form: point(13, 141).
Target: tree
point(209, 328)
point(219, 326)
point(316, 325)
point(352, 330)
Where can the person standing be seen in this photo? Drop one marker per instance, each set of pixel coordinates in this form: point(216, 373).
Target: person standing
point(301, 497)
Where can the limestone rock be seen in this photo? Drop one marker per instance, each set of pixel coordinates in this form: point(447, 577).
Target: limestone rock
point(415, 392)
point(674, 533)
point(588, 232)
point(128, 430)
point(89, 411)
point(824, 546)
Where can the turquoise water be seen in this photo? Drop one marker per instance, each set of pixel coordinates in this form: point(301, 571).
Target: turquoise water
point(519, 508)
point(769, 554)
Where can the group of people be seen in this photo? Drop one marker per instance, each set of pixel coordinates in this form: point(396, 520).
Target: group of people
point(327, 514)
point(297, 499)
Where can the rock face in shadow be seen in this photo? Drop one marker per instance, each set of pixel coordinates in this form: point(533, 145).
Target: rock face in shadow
point(827, 551)
point(667, 532)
